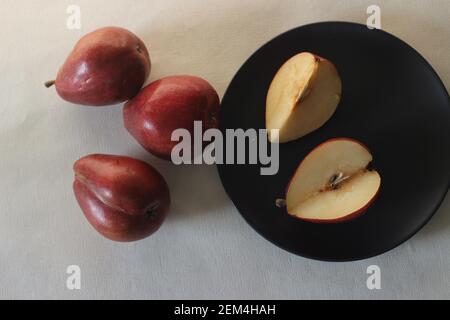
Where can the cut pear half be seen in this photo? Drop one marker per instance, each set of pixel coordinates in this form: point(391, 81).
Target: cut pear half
point(302, 97)
point(332, 183)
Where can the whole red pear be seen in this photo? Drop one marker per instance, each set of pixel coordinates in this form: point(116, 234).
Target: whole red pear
point(168, 104)
point(107, 66)
point(124, 199)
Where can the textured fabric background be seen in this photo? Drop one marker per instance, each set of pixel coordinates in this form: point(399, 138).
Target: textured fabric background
point(205, 249)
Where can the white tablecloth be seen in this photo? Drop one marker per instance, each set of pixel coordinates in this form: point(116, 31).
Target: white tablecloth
point(205, 249)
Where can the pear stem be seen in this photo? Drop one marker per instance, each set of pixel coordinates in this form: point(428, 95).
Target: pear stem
point(50, 83)
point(151, 212)
point(280, 203)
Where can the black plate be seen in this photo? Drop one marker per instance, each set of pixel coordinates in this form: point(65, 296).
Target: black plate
point(393, 101)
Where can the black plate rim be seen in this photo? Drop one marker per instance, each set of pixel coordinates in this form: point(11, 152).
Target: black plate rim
point(376, 252)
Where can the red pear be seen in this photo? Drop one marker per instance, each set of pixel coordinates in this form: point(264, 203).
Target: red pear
point(107, 66)
point(333, 183)
point(124, 199)
point(166, 105)
point(302, 97)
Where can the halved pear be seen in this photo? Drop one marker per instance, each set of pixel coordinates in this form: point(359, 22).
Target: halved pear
point(302, 97)
point(332, 183)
